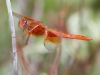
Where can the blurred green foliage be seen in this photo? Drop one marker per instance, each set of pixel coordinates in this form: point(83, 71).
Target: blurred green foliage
point(78, 57)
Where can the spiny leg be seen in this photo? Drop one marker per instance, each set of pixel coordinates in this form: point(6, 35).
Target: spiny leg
point(26, 42)
point(25, 34)
point(28, 33)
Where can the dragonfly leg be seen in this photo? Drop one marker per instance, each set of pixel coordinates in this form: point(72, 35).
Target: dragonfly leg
point(24, 34)
point(26, 42)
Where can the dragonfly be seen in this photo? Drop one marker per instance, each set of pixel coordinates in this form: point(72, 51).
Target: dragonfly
point(37, 29)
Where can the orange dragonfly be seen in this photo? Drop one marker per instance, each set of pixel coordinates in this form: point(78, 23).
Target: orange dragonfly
point(36, 28)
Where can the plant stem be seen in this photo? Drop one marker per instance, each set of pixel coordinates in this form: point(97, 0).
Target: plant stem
point(14, 50)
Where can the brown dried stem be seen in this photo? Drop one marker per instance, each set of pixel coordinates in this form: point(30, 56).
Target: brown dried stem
point(55, 64)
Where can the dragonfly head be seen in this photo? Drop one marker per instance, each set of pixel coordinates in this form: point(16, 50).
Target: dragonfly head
point(22, 24)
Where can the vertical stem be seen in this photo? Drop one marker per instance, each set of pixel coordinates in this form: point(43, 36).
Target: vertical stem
point(81, 5)
point(14, 50)
point(54, 66)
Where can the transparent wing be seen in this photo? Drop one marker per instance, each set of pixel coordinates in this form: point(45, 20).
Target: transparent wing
point(38, 31)
point(23, 17)
point(51, 41)
point(35, 39)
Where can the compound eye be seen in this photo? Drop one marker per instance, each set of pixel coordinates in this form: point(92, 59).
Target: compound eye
point(24, 22)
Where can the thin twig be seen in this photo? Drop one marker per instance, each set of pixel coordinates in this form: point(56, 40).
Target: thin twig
point(81, 5)
point(14, 50)
point(54, 66)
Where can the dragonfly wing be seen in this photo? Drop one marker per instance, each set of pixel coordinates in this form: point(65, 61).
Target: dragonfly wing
point(35, 38)
point(23, 17)
point(51, 41)
point(38, 31)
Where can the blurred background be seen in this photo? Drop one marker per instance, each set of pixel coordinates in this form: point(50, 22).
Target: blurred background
point(74, 57)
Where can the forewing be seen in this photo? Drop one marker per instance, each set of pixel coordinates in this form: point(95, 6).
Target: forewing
point(23, 17)
point(35, 38)
point(38, 31)
point(51, 41)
